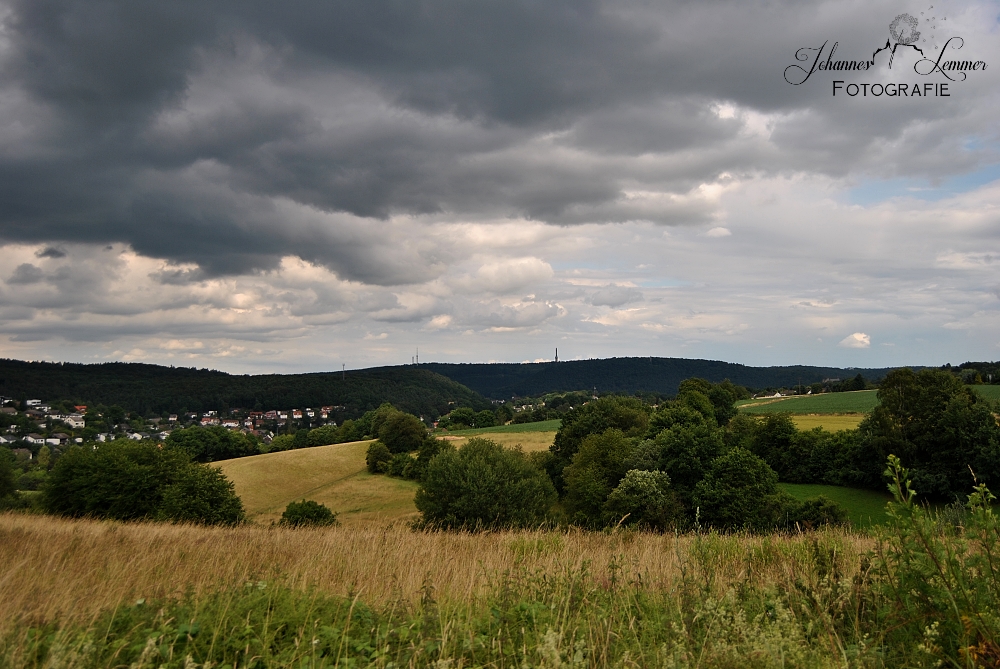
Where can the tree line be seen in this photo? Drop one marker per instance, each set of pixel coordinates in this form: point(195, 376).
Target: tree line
point(154, 389)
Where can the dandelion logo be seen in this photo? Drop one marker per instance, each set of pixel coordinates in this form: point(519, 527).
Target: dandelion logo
point(903, 30)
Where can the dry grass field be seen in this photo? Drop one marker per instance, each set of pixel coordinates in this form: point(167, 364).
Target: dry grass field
point(333, 475)
point(336, 476)
point(528, 441)
point(79, 568)
point(830, 422)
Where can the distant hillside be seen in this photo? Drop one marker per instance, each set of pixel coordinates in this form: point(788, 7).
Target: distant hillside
point(153, 388)
point(628, 375)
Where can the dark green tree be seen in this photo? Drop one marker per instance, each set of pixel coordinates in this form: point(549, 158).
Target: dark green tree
point(128, 480)
point(685, 452)
point(627, 414)
point(598, 466)
point(213, 443)
point(463, 416)
point(402, 433)
point(486, 418)
point(377, 458)
point(938, 427)
point(483, 486)
point(740, 491)
point(8, 475)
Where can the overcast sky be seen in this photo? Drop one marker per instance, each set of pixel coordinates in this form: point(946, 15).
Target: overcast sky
point(260, 186)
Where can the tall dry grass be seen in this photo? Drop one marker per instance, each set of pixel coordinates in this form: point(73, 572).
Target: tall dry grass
point(72, 570)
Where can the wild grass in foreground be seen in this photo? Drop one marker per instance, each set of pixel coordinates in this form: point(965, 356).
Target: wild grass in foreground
point(86, 594)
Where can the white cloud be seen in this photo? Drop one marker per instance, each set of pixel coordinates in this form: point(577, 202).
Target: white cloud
point(856, 340)
point(718, 232)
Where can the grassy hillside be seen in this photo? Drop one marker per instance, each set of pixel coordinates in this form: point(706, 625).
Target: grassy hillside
point(861, 401)
point(336, 476)
point(153, 388)
point(332, 475)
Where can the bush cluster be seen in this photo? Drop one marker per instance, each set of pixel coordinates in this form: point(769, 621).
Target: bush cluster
point(307, 513)
point(137, 480)
point(483, 486)
point(617, 461)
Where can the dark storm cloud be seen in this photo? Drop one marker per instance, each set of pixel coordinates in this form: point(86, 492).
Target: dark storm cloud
point(231, 134)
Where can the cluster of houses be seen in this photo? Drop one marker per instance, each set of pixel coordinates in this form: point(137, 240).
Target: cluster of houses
point(256, 422)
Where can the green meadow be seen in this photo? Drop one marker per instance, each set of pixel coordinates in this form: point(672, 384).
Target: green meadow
point(541, 426)
point(865, 508)
point(989, 392)
point(859, 401)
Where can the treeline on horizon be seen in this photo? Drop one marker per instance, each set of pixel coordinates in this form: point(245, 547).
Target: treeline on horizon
point(427, 389)
point(155, 389)
point(631, 375)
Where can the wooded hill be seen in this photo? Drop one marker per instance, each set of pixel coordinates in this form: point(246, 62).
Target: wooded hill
point(628, 375)
point(156, 389)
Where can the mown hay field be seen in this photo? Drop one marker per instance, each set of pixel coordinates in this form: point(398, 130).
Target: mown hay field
point(830, 422)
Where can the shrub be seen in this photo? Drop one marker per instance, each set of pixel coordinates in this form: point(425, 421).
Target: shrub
point(307, 513)
point(816, 512)
point(377, 458)
point(483, 486)
point(643, 498)
point(400, 465)
point(201, 494)
point(939, 583)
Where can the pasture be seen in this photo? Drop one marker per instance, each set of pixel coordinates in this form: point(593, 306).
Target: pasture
point(865, 508)
point(859, 401)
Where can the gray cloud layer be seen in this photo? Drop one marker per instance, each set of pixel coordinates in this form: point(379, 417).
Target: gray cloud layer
point(151, 122)
point(219, 139)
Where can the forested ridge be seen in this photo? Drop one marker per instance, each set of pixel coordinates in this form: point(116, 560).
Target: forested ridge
point(145, 388)
point(630, 375)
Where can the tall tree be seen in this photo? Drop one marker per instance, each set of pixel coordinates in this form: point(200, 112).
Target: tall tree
point(940, 429)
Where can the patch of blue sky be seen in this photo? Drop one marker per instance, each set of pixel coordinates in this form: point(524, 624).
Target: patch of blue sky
point(880, 190)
